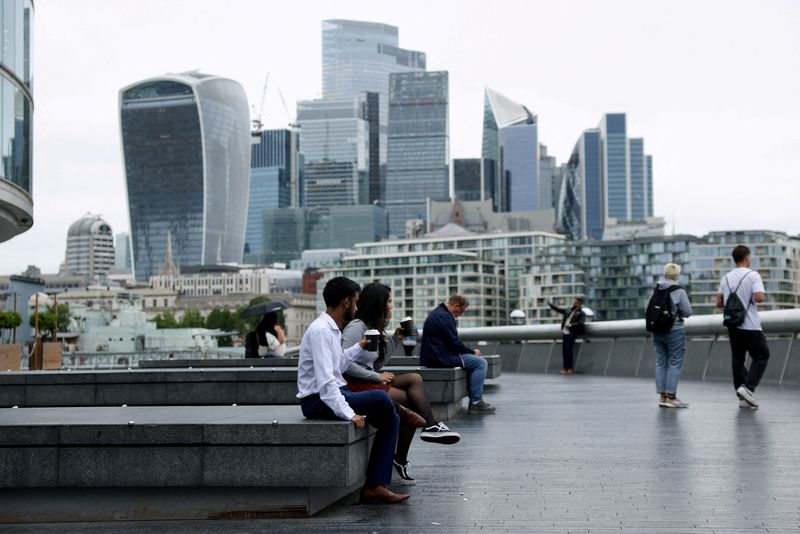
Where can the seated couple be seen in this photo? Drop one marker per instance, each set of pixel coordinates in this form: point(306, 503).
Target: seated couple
point(324, 393)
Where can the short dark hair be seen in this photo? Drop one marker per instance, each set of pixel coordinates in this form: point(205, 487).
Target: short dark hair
point(579, 299)
point(458, 300)
point(337, 289)
point(740, 252)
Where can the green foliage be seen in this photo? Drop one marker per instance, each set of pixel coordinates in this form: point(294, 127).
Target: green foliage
point(221, 319)
point(8, 321)
point(49, 319)
point(193, 319)
point(165, 320)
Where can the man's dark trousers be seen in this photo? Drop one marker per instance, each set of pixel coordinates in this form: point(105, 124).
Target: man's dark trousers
point(742, 342)
point(566, 350)
point(379, 410)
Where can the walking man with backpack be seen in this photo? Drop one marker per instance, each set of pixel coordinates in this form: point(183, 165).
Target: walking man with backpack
point(668, 307)
point(740, 292)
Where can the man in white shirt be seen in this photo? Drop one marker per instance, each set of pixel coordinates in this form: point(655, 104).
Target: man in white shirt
point(323, 393)
point(747, 336)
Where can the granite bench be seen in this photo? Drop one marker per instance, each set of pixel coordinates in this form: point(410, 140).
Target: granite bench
point(493, 369)
point(446, 388)
point(176, 462)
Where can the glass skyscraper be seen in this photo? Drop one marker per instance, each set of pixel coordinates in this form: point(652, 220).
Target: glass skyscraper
point(272, 161)
point(580, 205)
point(419, 162)
point(638, 179)
point(510, 153)
point(358, 57)
point(467, 179)
point(186, 151)
point(335, 140)
point(16, 119)
point(615, 166)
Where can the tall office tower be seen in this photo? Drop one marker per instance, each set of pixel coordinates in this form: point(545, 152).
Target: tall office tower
point(273, 160)
point(122, 251)
point(375, 175)
point(467, 179)
point(418, 167)
point(616, 170)
point(358, 57)
point(510, 153)
point(186, 151)
point(549, 179)
point(580, 210)
point(16, 118)
point(648, 168)
point(90, 247)
point(335, 140)
point(638, 170)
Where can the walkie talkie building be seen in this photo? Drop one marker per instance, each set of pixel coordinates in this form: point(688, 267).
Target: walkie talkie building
point(186, 150)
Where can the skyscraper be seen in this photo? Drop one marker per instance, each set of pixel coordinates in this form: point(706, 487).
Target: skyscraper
point(467, 179)
point(549, 179)
point(90, 247)
point(16, 119)
point(510, 153)
point(186, 151)
point(335, 140)
point(122, 251)
point(581, 206)
point(418, 167)
point(616, 174)
point(272, 161)
point(358, 57)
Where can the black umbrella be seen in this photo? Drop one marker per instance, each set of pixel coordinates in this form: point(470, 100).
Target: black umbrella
point(265, 308)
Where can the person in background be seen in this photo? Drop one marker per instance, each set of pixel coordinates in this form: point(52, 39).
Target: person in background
point(670, 346)
point(271, 338)
point(572, 324)
point(747, 336)
point(323, 392)
point(441, 347)
point(407, 390)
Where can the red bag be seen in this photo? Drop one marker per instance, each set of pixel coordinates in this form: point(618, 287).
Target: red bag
point(356, 384)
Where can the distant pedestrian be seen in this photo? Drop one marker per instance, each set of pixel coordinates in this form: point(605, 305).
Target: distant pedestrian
point(441, 347)
point(572, 325)
point(740, 292)
point(670, 303)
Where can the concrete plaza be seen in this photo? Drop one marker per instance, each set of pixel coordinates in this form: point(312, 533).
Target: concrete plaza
point(578, 454)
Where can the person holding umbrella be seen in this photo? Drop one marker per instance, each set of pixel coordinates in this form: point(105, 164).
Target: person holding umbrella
point(269, 339)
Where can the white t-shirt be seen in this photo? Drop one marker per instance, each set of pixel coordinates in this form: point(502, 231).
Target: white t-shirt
point(751, 284)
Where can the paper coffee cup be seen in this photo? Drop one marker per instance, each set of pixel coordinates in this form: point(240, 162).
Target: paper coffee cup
point(408, 327)
point(373, 336)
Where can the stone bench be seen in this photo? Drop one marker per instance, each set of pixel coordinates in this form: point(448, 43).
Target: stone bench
point(493, 369)
point(446, 388)
point(176, 462)
point(214, 362)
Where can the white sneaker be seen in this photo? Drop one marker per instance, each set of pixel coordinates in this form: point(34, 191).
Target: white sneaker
point(439, 433)
point(744, 404)
point(747, 395)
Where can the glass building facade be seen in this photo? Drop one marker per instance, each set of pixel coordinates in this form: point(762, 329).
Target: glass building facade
point(16, 118)
point(467, 179)
point(418, 168)
point(580, 205)
point(335, 141)
point(358, 57)
point(615, 166)
point(272, 159)
point(186, 148)
point(510, 153)
point(638, 179)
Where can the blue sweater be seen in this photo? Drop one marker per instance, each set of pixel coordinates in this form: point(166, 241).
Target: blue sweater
point(440, 344)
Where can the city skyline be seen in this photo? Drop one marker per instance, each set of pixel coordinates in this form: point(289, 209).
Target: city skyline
point(714, 104)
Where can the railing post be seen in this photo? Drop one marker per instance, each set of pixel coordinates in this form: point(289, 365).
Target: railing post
point(788, 354)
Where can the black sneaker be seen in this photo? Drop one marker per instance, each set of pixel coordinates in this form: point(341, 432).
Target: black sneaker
point(402, 472)
point(439, 433)
point(480, 408)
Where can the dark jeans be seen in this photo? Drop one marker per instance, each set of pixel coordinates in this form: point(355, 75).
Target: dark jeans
point(566, 350)
point(379, 410)
point(742, 342)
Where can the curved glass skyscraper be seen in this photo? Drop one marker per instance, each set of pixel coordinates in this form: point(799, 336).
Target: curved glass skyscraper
point(16, 118)
point(186, 148)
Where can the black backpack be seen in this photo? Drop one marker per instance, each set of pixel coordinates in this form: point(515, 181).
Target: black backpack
point(661, 314)
point(735, 311)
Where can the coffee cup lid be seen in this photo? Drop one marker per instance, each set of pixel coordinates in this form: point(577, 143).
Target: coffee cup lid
point(404, 319)
point(372, 333)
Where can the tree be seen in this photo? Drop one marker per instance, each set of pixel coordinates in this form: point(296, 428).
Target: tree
point(9, 321)
point(167, 320)
point(193, 319)
point(221, 319)
point(50, 319)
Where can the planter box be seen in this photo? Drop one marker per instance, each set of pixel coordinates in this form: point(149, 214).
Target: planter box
point(10, 357)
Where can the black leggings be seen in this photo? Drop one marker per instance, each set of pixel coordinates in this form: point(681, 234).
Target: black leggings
point(409, 391)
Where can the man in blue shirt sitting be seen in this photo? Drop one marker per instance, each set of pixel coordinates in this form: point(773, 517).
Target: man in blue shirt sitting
point(441, 347)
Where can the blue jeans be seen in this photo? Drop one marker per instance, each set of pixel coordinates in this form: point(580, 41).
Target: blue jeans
point(670, 349)
point(378, 407)
point(476, 374)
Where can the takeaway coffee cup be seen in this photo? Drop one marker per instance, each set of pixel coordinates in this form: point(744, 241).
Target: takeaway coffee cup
point(408, 327)
point(373, 336)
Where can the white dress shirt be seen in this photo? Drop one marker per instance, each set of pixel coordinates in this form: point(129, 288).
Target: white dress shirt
point(321, 362)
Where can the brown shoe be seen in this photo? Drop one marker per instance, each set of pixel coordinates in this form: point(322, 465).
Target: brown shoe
point(381, 494)
point(408, 417)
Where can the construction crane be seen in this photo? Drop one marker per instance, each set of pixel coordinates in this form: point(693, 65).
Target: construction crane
point(257, 123)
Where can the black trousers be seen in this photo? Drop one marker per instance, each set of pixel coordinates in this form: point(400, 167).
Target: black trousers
point(742, 342)
point(566, 350)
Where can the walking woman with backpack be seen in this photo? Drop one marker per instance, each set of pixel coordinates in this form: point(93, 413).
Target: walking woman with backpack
point(668, 307)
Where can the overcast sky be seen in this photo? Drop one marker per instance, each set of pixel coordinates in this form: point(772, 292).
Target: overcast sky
point(712, 86)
